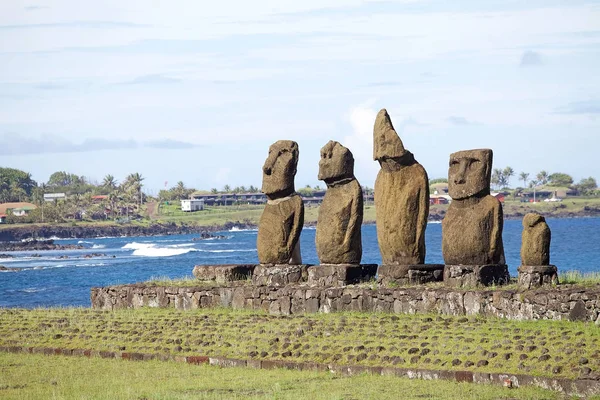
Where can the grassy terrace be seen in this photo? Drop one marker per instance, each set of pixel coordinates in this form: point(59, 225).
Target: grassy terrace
point(40, 377)
point(542, 348)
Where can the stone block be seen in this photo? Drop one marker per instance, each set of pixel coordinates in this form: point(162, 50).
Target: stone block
point(469, 276)
point(279, 275)
point(409, 274)
point(537, 276)
point(224, 273)
point(330, 275)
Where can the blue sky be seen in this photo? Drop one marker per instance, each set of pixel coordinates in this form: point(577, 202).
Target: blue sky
point(197, 91)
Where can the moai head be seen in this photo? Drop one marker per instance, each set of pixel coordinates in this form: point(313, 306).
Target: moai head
point(386, 142)
point(530, 220)
point(469, 173)
point(280, 169)
point(336, 163)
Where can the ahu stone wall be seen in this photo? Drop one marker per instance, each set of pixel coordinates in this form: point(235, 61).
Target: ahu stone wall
point(563, 302)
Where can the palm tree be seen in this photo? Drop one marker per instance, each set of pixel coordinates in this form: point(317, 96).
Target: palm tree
point(523, 176)
point(133, 182)
point(496, 177)
point(109, 182)
point(508, 172)
point(542, 177)
point(180, 190)
point(227, 188)
point(214, 191)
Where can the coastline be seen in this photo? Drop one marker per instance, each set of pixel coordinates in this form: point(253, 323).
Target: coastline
point(90, 230)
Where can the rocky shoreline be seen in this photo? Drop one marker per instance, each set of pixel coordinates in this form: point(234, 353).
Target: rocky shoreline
point(20, 233)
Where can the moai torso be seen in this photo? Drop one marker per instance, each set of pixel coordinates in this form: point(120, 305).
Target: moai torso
point(338, 237)
point(535, 245)
point(279, 230)
point(401, 197)
point(472, 227)
point(402, 206)
point(282, 219)
point(472, 233)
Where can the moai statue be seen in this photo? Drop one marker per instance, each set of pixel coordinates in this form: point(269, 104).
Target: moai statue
point(535, 246)
point(401, 197)
point(535, 269)
point(472, 227)
point(282, 219)
point(338, 236)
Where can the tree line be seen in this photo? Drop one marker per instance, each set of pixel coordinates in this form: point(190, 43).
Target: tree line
point(81, 202)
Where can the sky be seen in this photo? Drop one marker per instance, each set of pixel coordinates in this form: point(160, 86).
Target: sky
point(196, 91)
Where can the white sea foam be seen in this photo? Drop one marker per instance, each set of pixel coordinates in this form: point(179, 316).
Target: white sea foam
point(138, 246)
point(160, 252)
point(227, 251)
point(33, 290)
point(84, 242)
point(98, 246)
point(91, 265)
point(181, 245)
point(236, 229)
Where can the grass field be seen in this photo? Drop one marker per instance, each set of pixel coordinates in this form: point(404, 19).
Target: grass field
point(31, 376)
point(542, 348)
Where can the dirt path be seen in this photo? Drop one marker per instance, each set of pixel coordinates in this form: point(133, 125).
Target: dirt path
point(152, 210)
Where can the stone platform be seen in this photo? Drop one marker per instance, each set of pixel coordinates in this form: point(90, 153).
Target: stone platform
point(537, 276)
point(568, 302)
point(467, 276)
point(279, 274)
point(330, 275)
point(409, 274)
point(224, 273)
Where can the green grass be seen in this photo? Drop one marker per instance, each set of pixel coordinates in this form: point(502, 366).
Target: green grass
point(542, 348)
point(31, 376)
point(577, 277)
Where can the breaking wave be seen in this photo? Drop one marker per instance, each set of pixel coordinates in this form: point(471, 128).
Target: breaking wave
point(151, 250)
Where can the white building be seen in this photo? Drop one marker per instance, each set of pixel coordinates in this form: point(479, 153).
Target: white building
point(192, 205)
point(54, 196)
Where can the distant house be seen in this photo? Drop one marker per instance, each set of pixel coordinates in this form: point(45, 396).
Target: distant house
point(54, 196)
point(190, 205)
point(99, 198)
point(17, 209)
point(3, 218)
point(439, 199)
point(499, 196)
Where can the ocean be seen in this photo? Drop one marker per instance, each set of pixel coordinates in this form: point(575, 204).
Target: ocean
point(64, 278)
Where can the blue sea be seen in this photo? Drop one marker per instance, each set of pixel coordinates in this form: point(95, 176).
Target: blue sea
point(50, 280)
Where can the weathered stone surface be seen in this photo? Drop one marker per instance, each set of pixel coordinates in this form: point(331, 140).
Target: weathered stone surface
point(340, 275)
point(536, 276)
point(472, 227)
point(409, 274)
point(338, 236)
point(223, 273)
point(475, 275)
point(564, 302)
point(279, 275)
point(282, 219)
point(401, 197)
point(535, 245)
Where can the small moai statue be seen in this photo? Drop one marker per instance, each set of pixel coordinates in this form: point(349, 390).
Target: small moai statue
point(401, 197)
point(280, 225)
point(535, 269)
point(338, 236)
point(472, 226)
